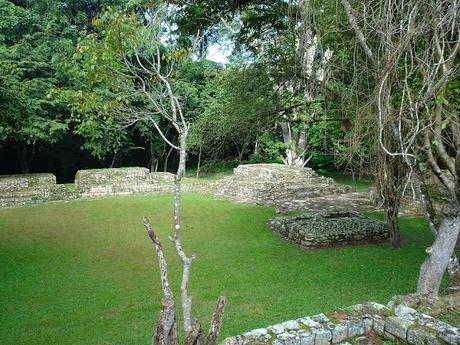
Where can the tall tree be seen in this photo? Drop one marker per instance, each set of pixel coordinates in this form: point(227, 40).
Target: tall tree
point(148, 63)
point(414, 65)
point(31, 43)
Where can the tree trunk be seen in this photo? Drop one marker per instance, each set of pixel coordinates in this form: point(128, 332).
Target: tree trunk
point(113, 163)
point(287, 139)
point(153, 160)
point(186, 261)
point(391, 213)
point(391, 186)
point(165, 166)
point(25, 158)
point(440, 252)
point(198, 167)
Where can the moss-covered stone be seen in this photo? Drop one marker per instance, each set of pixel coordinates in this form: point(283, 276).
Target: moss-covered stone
point(323, 229)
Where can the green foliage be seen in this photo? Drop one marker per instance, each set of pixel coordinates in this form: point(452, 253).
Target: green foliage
point(235, 112)
point(30, 49)
point(99, 89)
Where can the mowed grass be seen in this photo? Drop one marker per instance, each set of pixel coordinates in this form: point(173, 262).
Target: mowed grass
point(85, 272)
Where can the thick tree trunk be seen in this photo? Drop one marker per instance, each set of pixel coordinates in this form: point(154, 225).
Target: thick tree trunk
point(296, 143)
point(391, 213)
point(440, 252)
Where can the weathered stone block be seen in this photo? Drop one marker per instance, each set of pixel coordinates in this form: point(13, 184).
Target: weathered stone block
point(306, 338)
point(379, 325)
point(368, 324)
point(317, 230)
point(416, 336)
point(451, 339)
point(355, 328)
point(17, 190)
point(397, 326)
point(163, 177)
point(323, 336)
point(118, 181)
point(308, 322)
point(404, 312)
point(339, 333)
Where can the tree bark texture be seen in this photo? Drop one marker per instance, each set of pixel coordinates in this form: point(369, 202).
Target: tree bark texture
point(440, 252)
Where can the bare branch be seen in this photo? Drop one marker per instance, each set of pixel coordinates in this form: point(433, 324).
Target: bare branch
point(166, 332)
point(216, 321)
point(359, 34)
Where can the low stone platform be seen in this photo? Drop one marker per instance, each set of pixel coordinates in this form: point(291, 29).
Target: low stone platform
point(117, 181)
point(369, 323)
point(311, 230)
point(273, 185)
point(16, 190)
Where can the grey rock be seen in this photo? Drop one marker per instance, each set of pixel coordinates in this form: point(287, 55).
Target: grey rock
point(277, 329)
point(397, 326)
point(323, 336)
point(449, 338)
point(368, 324)
point(321, 318)
point(416, 336)
point(339, 333)
point(290, 325)
point(309, 322)
point(404, 311)
point(355, 328)
point(379, 326)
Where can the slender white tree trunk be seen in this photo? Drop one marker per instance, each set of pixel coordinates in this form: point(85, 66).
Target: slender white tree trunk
point(186, 261)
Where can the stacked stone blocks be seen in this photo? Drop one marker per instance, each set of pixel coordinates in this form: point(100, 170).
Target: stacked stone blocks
point(325, 229)
point(277, 185)
point(359, 324)
point(17, 190)
point(119, 181)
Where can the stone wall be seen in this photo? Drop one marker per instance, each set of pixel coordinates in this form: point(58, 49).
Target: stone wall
point(267, 184)
point(368, 323)
point(28, 189)
point(17, 190)
point(117, 181)
point(324, 229)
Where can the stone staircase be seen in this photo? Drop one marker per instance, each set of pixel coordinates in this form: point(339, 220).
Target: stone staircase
point(274, 185)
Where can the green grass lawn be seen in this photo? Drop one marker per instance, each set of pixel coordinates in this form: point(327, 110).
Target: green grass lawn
point(360, 184)
point(84, 272)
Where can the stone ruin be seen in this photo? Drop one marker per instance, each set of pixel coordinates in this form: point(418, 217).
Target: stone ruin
point(273, 185)
point(326, 229)
point(117, 181)
point(17, 190)
point(362, 324)
point(26, 189)
point(286, 188)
